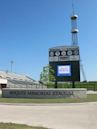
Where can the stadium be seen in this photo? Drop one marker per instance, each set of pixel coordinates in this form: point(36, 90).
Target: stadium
point(14, 80)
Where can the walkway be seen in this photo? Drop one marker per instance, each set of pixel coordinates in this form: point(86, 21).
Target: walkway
point(53, 116)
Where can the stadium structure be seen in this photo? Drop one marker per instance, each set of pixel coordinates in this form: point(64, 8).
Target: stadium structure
point(13, 80)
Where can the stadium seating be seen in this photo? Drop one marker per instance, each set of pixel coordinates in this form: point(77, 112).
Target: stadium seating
point(15, 80)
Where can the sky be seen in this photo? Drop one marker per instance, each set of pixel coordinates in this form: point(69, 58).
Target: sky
point(28, 28)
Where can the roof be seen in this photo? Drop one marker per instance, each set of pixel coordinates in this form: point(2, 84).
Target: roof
point(14, 76)
point(62, 47)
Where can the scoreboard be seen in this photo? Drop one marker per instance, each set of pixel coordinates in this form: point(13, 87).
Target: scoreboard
point(65, 61)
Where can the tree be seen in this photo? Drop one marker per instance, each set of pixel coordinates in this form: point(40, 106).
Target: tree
point(47, 75)
point(51, 74)
point(44, 76)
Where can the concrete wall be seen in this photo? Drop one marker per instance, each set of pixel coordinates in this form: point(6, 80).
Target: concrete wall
point(44, 93)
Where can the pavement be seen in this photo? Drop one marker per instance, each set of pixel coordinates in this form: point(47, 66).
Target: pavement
point(53, 116)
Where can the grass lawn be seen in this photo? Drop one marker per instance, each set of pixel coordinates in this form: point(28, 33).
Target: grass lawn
point(17, 126)
point(90, 98)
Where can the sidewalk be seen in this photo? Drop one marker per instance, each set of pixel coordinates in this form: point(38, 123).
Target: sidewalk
point(66, 116)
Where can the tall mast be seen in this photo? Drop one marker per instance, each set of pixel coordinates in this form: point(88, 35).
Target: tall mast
point(74, 29)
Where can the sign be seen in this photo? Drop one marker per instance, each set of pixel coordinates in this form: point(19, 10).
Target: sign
point(43, 93)
point(64, 70)
point(65, 61)
point(64, 53)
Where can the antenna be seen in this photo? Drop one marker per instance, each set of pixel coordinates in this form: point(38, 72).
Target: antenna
point(73, 7)
point(74, 29)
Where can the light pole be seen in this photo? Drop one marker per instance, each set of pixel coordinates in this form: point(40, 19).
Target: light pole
point(11, 62)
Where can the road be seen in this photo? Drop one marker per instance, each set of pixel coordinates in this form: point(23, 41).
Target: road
point(53, 116)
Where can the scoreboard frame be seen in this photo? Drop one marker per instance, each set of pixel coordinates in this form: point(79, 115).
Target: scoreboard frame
point(62, 57)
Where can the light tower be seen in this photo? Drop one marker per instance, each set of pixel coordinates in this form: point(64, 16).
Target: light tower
point(74, 29)
point(74, 32)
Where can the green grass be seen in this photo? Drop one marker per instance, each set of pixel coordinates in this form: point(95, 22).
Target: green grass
point(17, 126)
point(90, 98)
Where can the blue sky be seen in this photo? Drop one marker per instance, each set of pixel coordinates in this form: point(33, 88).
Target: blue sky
point(28, 28)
